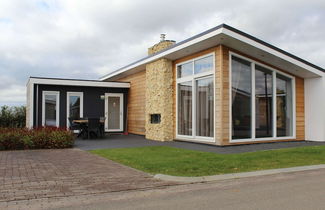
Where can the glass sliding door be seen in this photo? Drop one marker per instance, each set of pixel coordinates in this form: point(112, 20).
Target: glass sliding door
point(50, 108)
point(185, 108)
point(204, 107)
point(195, 99)
point(284, 115)
point(263, 102)
point(241, 98)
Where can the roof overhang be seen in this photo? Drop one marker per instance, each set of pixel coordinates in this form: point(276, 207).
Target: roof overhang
point(74, 82)
point(233, 38)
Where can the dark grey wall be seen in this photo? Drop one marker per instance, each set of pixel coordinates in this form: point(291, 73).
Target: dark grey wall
point(93, 106)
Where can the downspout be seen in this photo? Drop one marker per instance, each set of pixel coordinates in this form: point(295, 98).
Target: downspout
point(36, 121)
point(126, 116)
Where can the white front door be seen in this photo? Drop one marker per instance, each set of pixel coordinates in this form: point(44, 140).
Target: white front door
point(113, 112)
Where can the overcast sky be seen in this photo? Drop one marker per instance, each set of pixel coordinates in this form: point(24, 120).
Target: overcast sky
point(85, 39)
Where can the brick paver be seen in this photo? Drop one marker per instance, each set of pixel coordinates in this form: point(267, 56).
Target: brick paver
point(39, 174)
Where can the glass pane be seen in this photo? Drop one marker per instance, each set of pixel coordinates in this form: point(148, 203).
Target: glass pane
point(203, 65)
point(185, 70)
point(263, 102)
point(74, 107)
point(241, 98)
point(185, 108)
point(50, 110)
point(284, 110)
point(204, 107)
point(114, 112)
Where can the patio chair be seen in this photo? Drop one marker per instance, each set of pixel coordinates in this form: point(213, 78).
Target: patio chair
point(93, 127)
point(72, 125)
point(75, 126)
point(102, 126)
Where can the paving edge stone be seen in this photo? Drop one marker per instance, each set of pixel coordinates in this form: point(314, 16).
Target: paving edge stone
point(236, 175)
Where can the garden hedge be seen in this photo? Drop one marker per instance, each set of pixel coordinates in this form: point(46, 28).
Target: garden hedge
point(40, 138)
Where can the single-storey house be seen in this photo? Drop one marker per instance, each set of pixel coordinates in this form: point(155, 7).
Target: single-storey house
point(222, 86)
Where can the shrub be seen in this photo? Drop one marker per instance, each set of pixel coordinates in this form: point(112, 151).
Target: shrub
point(41, 138)
point(13, 117)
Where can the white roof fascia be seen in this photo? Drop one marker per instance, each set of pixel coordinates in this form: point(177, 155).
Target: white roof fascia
point(271, 51)
point(77, 83)
point(227, 32)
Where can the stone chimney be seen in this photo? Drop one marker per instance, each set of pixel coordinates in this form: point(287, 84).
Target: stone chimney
point(159, 95)
point(163, 44)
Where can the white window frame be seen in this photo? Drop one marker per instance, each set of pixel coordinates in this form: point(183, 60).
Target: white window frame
point(193, 78)
point(81, 113)
point(57, 106)
point(121, 95)
point(274, 72)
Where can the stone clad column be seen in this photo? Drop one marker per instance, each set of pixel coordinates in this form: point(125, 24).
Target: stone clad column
point(159, 95)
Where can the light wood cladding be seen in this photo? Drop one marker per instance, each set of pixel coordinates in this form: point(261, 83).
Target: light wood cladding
point(224, 96)
point(300, 109)
point(136, 102)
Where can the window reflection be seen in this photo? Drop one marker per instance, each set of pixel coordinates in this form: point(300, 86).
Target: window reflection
point(204, 107)
point(284, 106)
point(50, 110)
point(185, 108)
point(74, 105)
point(263, 102)
point(203, 65)
point(241, 98)
point(185, 70)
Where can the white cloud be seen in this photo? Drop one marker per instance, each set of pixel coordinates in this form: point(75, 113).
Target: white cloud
point(86, 39)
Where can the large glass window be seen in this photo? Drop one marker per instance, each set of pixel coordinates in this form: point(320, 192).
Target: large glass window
point(241, 98)
point(195, 102)
point(283, 106)
point(263, 102)
point(50, 112)
point(262, 99)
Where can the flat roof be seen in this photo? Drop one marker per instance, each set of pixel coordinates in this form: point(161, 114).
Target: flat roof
point(76, 82)
point(221, 32)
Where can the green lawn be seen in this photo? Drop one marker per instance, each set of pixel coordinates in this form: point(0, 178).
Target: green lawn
point(182, 162)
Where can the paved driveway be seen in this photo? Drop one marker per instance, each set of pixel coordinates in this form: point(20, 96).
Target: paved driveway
point(34, 174)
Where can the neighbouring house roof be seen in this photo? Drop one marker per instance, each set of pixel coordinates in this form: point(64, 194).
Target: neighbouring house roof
point(76, 82)
point(233, 38)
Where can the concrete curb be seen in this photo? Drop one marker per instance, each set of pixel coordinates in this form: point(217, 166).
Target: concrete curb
point(236, 175)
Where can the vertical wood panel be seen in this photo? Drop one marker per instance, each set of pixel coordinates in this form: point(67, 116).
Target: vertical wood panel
point(225, 95)
point(136, 102)
point(300, 109)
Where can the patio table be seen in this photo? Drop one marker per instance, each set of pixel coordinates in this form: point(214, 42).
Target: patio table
point(84, 126)
point(85, 121)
